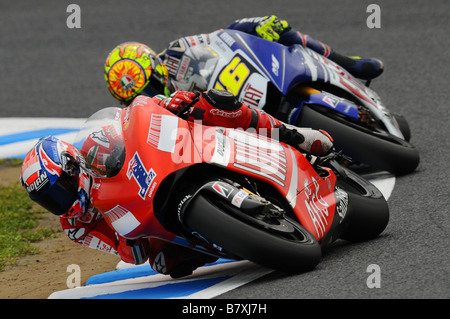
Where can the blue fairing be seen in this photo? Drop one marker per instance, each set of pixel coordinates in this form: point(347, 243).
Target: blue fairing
point(273, 57)
point(288, 66)
point(329, 101)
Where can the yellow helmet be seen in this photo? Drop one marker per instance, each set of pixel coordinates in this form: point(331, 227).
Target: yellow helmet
point(132, 69)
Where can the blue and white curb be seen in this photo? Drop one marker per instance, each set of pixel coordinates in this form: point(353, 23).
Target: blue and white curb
point(141, 282)
point(19, 135)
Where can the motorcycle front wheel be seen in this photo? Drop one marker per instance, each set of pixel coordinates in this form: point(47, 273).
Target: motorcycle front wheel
point(286, 246)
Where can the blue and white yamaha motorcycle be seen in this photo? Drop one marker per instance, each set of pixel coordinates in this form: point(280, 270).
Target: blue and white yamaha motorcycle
point(303, 88)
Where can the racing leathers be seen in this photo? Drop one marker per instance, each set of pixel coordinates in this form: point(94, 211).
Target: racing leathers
point(214, 108)
point(190, 62)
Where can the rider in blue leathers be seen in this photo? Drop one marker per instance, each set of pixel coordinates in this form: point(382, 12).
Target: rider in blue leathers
point(169, 72)
point(273, 29)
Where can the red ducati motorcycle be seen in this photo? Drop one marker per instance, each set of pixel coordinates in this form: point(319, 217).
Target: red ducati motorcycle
point(225, 192)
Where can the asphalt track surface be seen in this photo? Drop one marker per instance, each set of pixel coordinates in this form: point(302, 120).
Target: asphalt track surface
point(50, 70)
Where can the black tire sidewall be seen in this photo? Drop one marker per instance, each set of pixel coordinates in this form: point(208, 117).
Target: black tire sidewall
point(249, 242)
point(361, 146)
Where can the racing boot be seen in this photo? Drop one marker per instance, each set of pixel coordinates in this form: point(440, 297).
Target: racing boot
point(273, 29)
point(174, 260)
point(314, 142)
point(362, 68)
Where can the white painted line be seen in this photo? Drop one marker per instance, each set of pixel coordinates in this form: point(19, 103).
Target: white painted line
point(382, 180)
point(244, 277)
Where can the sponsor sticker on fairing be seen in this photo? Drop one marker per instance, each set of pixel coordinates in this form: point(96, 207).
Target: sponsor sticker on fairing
point(183, 68)
point(341, 203)
point(162, 132)
point(142, 177)
point(222, 189)
point(239, 198)
point(122, 220)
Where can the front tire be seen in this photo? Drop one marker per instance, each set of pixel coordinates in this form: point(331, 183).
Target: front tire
point(293, 252)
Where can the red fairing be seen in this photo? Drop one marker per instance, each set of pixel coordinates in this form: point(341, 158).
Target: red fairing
point(159, 143)
point(310, 195)
point(152, 135)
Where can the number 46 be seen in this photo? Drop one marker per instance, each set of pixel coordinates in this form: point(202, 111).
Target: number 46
point(233, 76)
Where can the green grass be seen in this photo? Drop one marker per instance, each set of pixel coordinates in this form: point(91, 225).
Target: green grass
point(19, 218)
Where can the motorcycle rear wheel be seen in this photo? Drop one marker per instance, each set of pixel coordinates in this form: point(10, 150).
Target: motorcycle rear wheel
point(379, 150)
point(293, 252)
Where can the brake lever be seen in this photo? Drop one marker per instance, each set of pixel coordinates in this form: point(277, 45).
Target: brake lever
point(339, 157)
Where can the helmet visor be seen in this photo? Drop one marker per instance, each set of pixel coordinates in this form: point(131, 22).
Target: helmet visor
point(61, 196)
point(158, 83)
point(154, 87)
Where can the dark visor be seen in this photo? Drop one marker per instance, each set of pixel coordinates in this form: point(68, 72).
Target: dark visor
point(154, 87)
point(61, 196)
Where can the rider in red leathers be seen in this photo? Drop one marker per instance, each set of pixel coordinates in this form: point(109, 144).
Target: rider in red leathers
point(65, 187)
